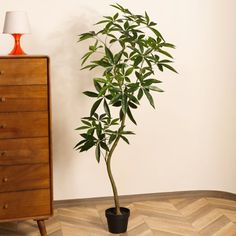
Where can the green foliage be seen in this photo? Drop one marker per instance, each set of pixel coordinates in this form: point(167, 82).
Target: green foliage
point(130, 50)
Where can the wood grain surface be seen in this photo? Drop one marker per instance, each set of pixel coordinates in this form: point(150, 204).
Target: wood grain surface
point(23, 98)
point(24, 151)
point(25, 140)
point(23, 125)
point(188, 216)
point(23, 71)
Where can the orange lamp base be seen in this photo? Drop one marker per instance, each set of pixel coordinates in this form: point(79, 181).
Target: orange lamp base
point(17, 50)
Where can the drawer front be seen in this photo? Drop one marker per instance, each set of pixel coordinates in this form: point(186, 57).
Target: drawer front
point(24, 177)
point(25, 204)
point(23, 98)
point(24, 151)
point(23, 71)
point(24, 124)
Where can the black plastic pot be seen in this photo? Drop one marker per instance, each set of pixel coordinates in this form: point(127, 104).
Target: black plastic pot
point(117, 223)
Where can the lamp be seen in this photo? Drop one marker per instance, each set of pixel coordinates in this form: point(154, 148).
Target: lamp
point(16, 23)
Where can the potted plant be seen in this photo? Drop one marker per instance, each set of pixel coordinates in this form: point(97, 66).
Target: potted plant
point(129, 51)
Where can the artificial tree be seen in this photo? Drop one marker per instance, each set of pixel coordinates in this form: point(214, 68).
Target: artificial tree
point(129, 51)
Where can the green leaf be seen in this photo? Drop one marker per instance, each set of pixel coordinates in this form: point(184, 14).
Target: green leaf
point(168, 45)
point(108, 17)
point(122, 44)
point(121, 114)
point(103, 91)
point(87, 118)
point(126, 25)
point(127, 79)
point(133, 86)
point(149, 97)
point(118, 57)
point(148, 82)
point(148, 51)
point(160, 67)
point(91, 131)
point(112, 138)
point(86, 122)
point(85, 57)
point(106, 108)
point(106, 30)
point(164, 53)
point(132, 105)
point(90, 67)
point(82, 127)
point(131, 116)
point(124, 104)
point(109, 54)
point(88, 137)
point(104, 146)
point(119, 26)
point(92, 48)
point(140, 93)
point(102, 21)
point(102, 63)
point(149, 63)
point(117, 6)
point(96, 116)
point(115, 99)
point(102, 116)
point(117, 104)
point(156, 32)
point(147, 18)
point(129, 71)
point(108, 131)
point(133, 99)
point(124, 138)
point(115, 16)
point(169, 67)
point(152, 24)
point(156, 58)
point(112, 41)
point(87, 146)
point(99, 129)
point(85, 36)
point(139, 76)
point(165, 61)
point(154, 88)
point(95, 106)
point(97, 86)
point(127, 132)
point(90, 94)
point(137, 60)
point(115, 121)
point(101, 80)
point(98, 153)
point(79, 143)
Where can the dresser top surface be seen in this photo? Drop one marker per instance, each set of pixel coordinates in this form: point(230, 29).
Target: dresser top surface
point(23, 56)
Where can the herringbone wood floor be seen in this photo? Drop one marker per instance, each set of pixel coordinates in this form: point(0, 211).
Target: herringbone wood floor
point(172, 217)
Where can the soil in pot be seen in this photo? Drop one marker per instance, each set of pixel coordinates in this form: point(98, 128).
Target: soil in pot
point(117, 223)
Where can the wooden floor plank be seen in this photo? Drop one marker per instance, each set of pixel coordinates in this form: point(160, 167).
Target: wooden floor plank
point(189, 216)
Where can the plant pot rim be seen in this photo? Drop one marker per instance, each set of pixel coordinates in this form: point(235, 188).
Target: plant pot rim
point(111, 211)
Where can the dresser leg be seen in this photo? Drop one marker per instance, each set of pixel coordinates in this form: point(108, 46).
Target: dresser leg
point(42, 227)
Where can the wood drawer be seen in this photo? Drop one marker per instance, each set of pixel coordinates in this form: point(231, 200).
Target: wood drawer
point(23, 71)
point(23, 98)
point(15, 205)
point(24, 177)
point(24, 151)
point(24, 124)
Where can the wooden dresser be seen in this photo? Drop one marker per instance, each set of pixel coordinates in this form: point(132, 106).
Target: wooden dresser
point(25, 147)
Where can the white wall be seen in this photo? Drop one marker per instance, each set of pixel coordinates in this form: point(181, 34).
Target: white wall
point(188, 142)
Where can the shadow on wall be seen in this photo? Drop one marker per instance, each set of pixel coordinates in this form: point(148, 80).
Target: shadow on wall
point(67, 83)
